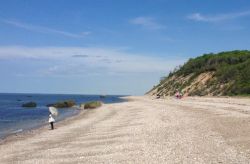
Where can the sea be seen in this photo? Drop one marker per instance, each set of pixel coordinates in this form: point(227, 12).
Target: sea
point(15, 119)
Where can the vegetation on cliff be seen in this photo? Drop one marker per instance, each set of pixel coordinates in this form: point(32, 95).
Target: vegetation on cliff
point(225, 73)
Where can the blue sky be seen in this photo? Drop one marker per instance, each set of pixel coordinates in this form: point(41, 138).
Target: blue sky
point(111, 46)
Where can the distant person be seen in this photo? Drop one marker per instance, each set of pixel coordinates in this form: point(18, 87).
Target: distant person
point(51, 121)
point(178, 95)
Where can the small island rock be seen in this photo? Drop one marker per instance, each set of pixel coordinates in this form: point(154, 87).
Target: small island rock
point(29, 105)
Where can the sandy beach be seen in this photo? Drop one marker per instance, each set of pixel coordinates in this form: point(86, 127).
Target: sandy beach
point(142, 130)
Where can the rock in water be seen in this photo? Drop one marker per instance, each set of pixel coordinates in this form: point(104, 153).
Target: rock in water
point(92, 105)
point(63, 104)
point(30, 105)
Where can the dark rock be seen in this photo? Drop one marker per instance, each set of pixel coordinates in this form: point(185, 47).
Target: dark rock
point(29, 105)
point(63, 104)
point(102, 96)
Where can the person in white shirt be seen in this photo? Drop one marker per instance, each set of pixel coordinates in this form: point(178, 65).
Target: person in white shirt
point(51, 121)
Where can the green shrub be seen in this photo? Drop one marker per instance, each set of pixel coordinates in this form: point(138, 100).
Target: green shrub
point(92, 104)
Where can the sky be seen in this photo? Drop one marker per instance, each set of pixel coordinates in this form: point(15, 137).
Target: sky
point(118, 47)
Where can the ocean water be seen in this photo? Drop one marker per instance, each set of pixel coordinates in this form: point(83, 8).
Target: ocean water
point(14, 118)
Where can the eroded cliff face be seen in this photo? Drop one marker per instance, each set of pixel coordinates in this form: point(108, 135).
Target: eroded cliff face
point(221, 74)
point(203, 84)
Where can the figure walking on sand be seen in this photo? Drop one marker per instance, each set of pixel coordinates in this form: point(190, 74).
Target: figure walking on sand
point(53, 112)
point(51, 121)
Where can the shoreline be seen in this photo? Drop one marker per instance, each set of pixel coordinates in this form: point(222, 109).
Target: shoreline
point(142, 130)
point(41, 128)
point(38, 126)
point(36, 130)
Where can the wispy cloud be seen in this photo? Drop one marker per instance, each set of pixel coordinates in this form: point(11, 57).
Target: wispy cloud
point(73, 60)
point(80, 56)
point(147, 22)
point(42, 29)
point(217, 18)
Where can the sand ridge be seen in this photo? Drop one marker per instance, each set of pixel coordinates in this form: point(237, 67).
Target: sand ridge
point(143, 130)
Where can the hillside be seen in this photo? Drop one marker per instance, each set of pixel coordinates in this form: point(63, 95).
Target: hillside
point(221, 74)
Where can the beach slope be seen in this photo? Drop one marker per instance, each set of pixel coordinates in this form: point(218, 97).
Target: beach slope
point(142, 130)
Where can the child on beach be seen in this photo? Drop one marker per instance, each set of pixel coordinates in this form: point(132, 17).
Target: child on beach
point(51, 121)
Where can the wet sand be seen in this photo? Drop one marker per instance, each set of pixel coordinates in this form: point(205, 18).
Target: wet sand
point(142, 130)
